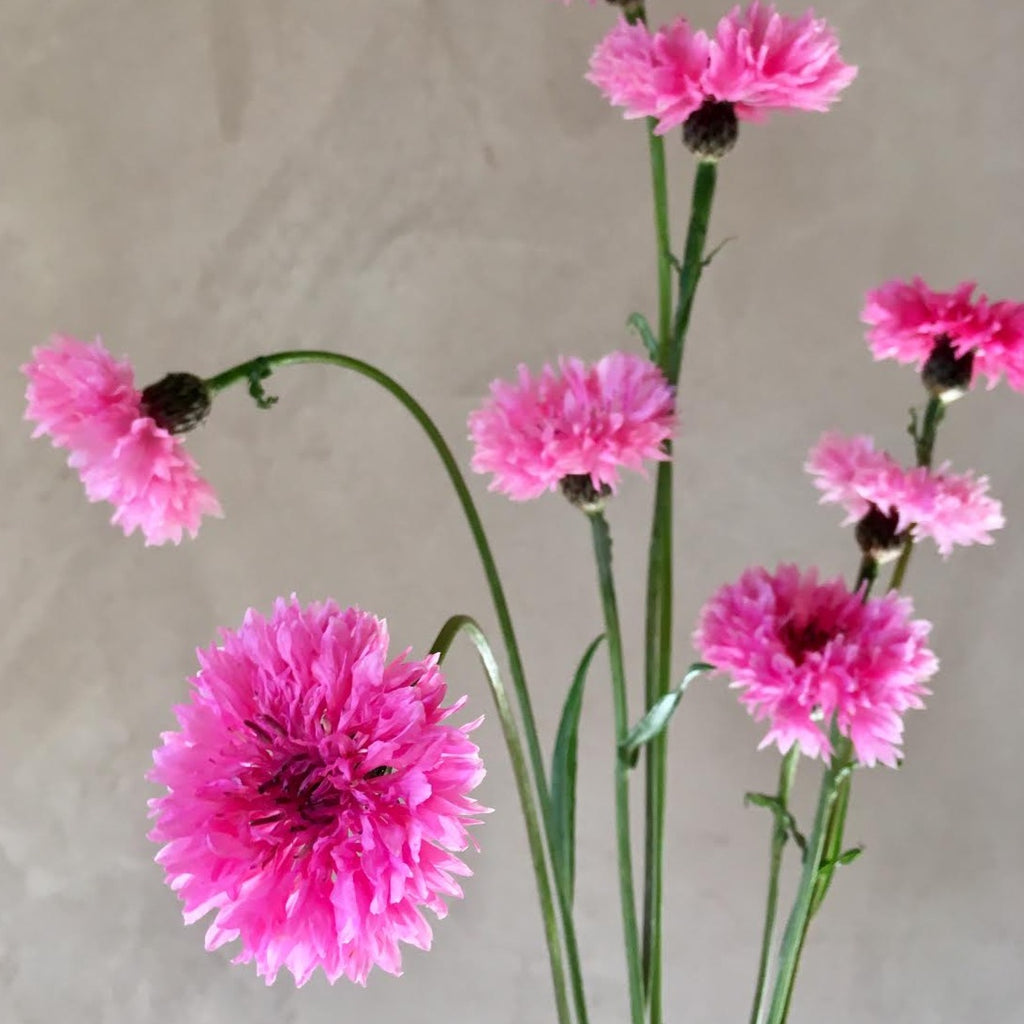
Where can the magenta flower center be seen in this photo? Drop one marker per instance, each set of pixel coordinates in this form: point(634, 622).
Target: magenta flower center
point(801, 640)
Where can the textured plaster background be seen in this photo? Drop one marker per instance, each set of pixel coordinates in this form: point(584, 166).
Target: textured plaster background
point(431, 184)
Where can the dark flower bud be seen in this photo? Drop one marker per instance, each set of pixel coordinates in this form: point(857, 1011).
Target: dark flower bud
point(947, 375)
point(178, 403)
point(632, 9)
point(711, 130)
point(878, 535)
point(580, 491)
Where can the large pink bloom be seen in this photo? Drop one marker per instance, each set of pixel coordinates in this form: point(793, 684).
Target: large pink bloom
point(803, 652)
point(86, 401)
point(758, 60)
point(950, 508)
point(315, 793)
point(761, 60)
point(907, 319)
point(576, 421)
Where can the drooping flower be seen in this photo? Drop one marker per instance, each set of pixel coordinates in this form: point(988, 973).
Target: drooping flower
point(757, 61)
point(912, 324)
point(760, 60)
point(576, 421)
point(86, 401)
point(803, 653)
point(316, 794)
point(949, 508)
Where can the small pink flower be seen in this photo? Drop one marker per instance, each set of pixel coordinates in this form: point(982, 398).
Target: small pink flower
point(761, 60)
point(803, 653)
point(948, 507)
point(315, 794)
point(757, 61)
point(680, 60)
point(622, 67)
point(576, 421)
point(907, 320)
point(86, 401)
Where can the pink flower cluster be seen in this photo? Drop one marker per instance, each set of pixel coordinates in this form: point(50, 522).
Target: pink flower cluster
point(577, 421)
point(86, 401)
point(315, 794)
point(758, 60)
point(907, 318)
point(949, 508)
point(804, 652)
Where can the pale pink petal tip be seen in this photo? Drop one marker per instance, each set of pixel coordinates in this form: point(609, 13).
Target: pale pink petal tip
point(577, 420)
point(803, 653)
point(87, 403)
point(950, 508)
point(316, 797)
point(906, 321)
point(758, 60)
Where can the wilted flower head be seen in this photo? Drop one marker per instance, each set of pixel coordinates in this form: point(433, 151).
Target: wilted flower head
point(803, 653)
point(575, 421)
point(909, 323)
point(757, 61)
point(315, 794)
point(950, 508)
point(86, 401)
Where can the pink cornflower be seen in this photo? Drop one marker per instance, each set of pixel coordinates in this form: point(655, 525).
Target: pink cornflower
point(316, 794)
point(912, 324)
point(757, 61)
point(803, 653)
point(760, 60)
point(652, 75)
point(86, 401)
point(949, 508)
point(577, 421)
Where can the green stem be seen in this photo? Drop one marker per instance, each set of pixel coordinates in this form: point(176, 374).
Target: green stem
point(603, 557)
point(799, 918)
point(704, 180)
point(658, 628)
point(924, 449)
point(780, 833)
point(520, 770)
point(253, 371)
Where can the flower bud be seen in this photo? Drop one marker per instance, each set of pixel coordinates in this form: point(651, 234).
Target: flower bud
point(177, 403)
point(946, 375)
point(711, 130)
point(878, 534)
point(580, 491)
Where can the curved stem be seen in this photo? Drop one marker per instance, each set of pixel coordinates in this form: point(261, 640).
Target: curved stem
point(780, 833)
point(534, 834)
point(257, 369)
point(603, 557)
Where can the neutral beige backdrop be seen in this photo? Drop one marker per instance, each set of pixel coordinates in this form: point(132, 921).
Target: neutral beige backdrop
point(431, 184)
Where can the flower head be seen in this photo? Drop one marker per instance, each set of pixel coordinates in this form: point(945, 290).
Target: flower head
point(909, 322)
point(757, 61)
point(950, 508)
point(578, 420)
point(761, 60)
point(86, 401)
point(315, 794)
point(803, 653)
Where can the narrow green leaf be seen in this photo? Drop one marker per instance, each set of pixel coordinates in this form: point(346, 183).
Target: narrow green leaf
point(657, 718)
point(783, 816)
point(846, 857)
point(563, 774)
point(639, 324)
